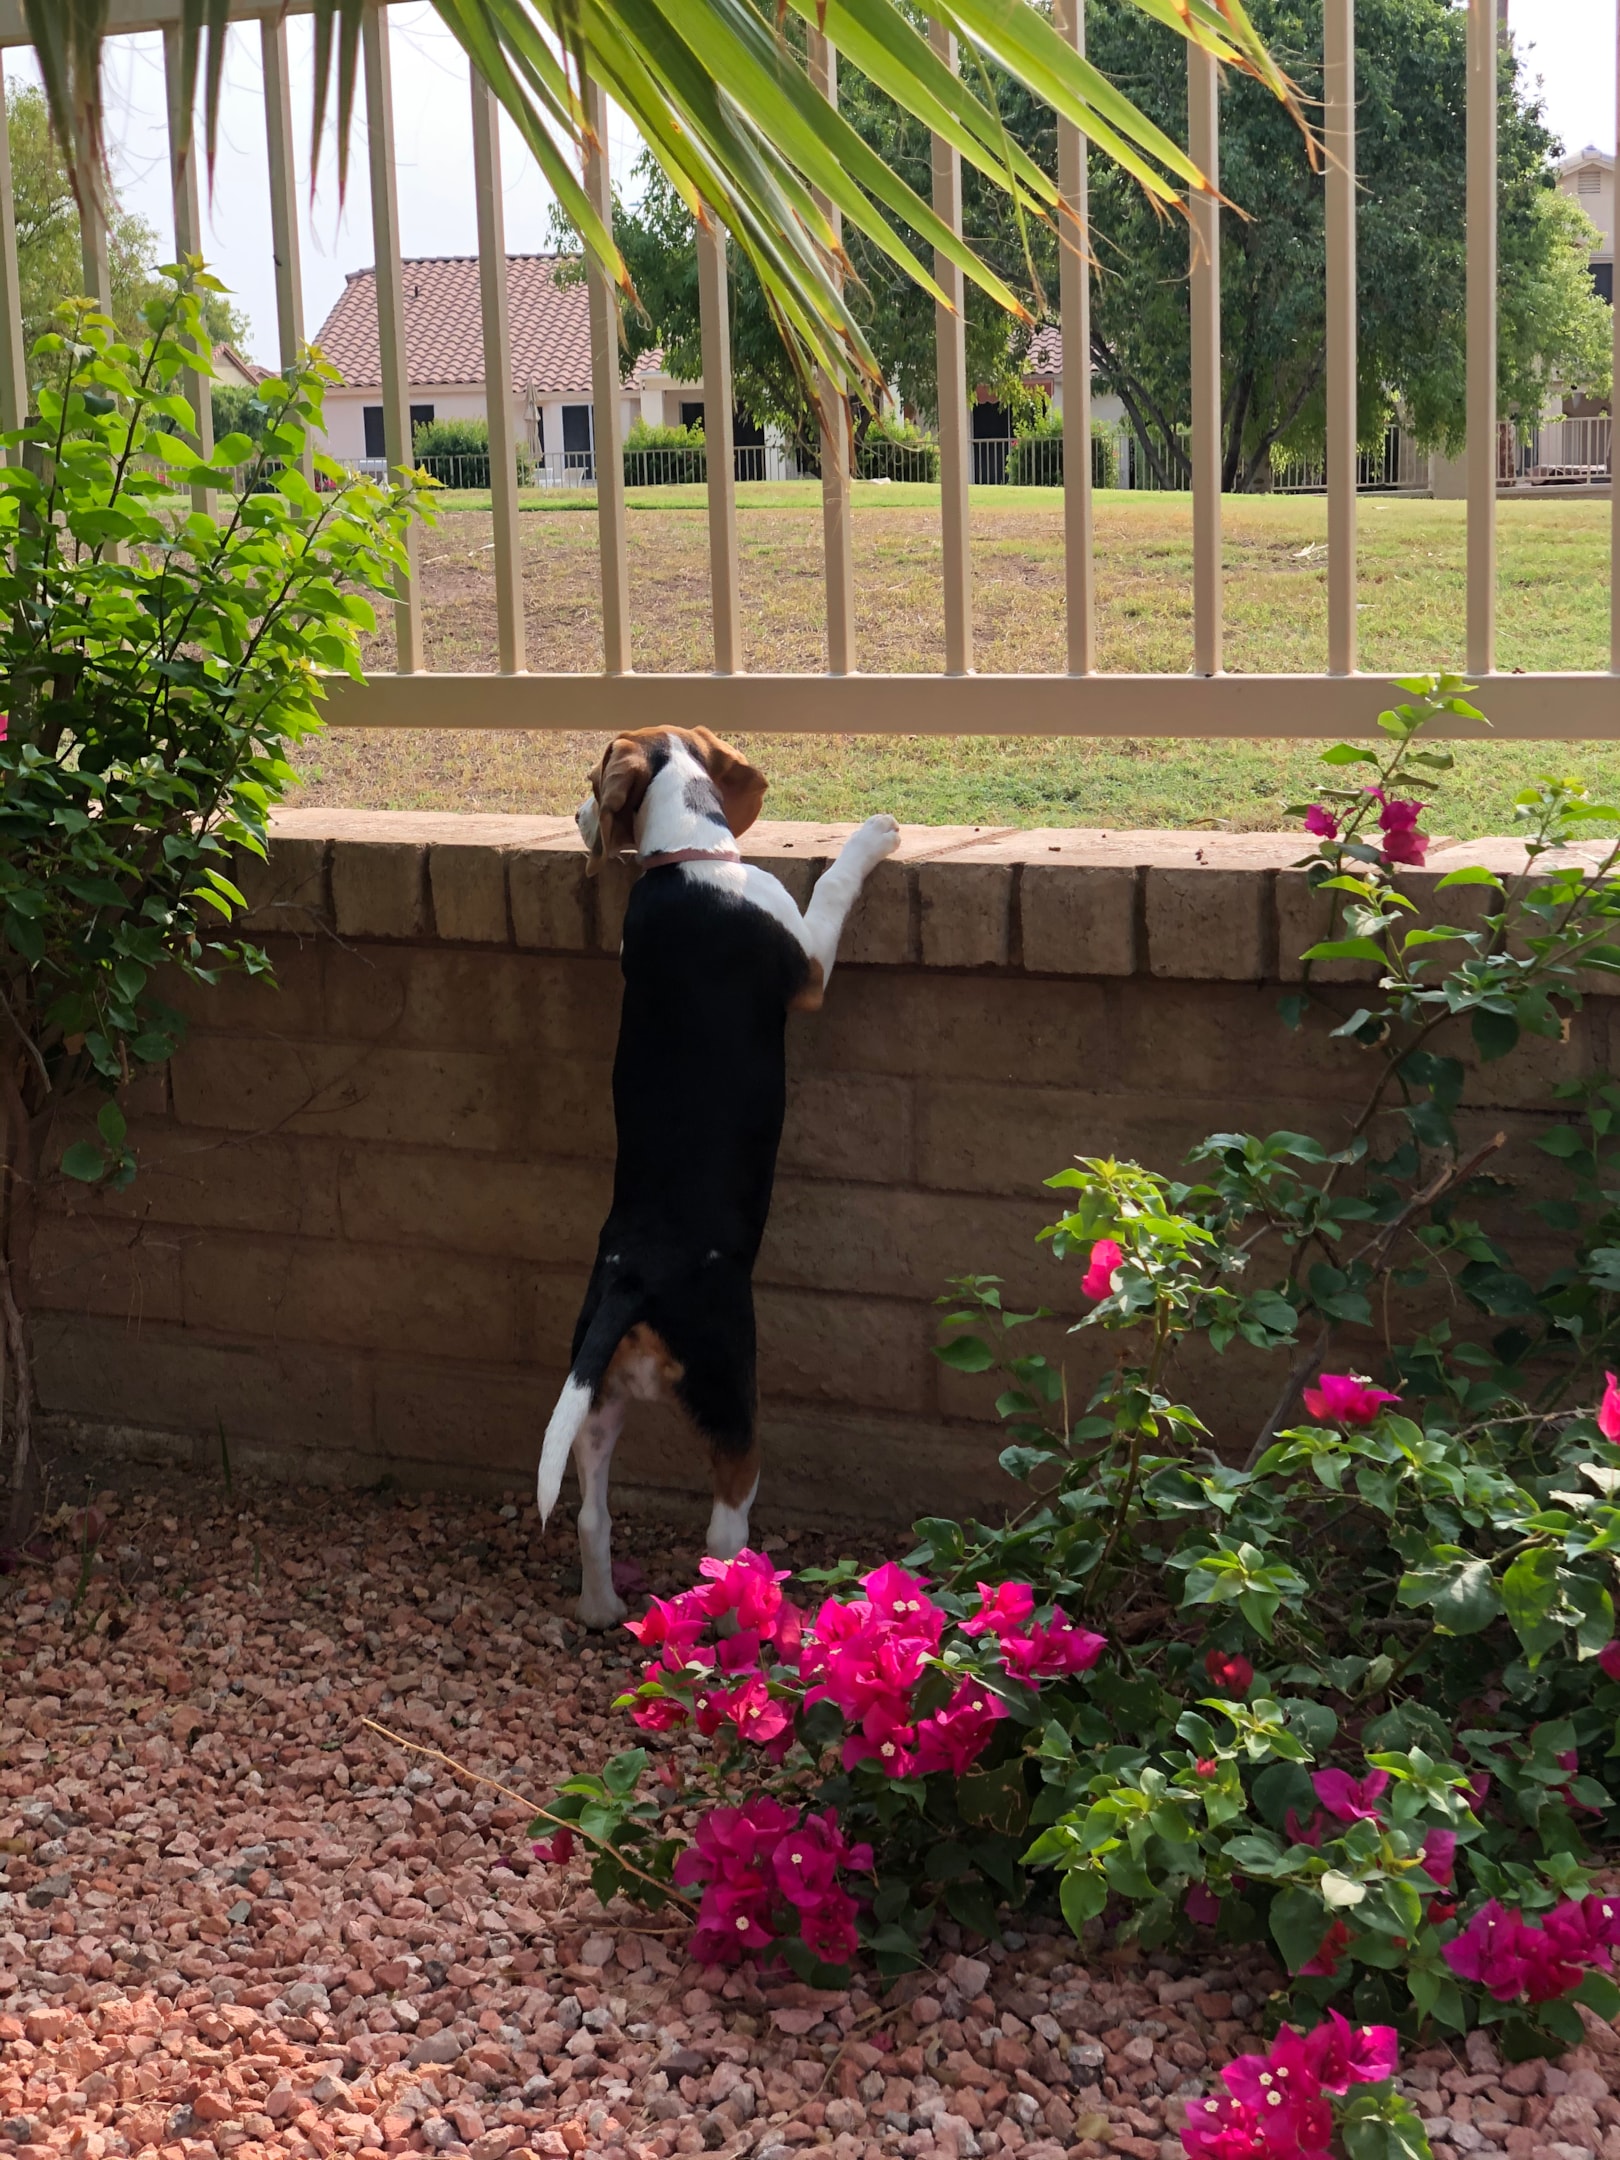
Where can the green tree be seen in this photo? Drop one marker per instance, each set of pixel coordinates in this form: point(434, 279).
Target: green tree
point(49, 260)
point(1410, 156)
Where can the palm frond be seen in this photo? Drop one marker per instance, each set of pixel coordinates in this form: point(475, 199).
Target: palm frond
point(726, 105)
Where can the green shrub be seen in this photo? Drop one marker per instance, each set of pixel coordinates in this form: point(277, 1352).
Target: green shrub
point(1036, 458)
point(664, 456)
point(456, 453)
point(238, 410)
point(893, 449)
point(157, 664)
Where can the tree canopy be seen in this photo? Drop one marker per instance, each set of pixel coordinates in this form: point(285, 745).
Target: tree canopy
point(1411, 153)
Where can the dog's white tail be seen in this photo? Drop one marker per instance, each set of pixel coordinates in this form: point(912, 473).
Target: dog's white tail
point(573, 1408)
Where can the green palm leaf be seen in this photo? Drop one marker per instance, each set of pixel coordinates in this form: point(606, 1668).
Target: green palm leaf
point(724, 102)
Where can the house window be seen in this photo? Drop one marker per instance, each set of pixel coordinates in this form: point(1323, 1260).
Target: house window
point(1603, 281)
point(376, 438)
point(691, 415)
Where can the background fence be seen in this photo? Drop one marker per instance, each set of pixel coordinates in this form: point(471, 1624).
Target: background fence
point(1207, 702)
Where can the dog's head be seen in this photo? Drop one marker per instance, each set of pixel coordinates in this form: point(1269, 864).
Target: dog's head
point(607, 817)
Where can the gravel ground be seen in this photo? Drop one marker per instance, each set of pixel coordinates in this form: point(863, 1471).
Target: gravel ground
point(236, 1921)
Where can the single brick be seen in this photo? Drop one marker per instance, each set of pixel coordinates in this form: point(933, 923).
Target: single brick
point(1079, 918)
point(469, 894)
point(379, 888)
point(1207, 925)
point(285, 890)
point(551, 898)
point(966, 913)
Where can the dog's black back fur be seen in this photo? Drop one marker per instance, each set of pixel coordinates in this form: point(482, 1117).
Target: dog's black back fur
point(699, 1083)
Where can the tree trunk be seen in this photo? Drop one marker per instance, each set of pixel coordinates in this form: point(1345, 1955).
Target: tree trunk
point(18, 1187)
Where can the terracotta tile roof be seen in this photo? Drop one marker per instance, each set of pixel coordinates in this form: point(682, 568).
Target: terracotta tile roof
point(1045, 356)
point(444, 338)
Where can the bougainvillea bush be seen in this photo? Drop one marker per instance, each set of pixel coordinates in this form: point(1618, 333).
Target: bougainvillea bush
point(1361, 1677)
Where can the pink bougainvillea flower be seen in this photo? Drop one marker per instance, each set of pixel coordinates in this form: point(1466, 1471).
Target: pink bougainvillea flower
point(5, 725)
point(747, 1586)
point(1609, 1659)
point(1608, 1411)
point(902, 1601)
point(1304, 1833)
point(1282, 2093)
point(659, 1713)
point(1098, 1280)
point(1402, 842)
point(954, 1738)
point(828, 1927)
point(1221, 2128)
point(669, 1623)
point(1491, 1952)
point(1051, 1652)
point(1202, 1906)
point(1440, 1856)
point(1346, 1399)
point(1340, 2054)
point(1229, 1671)
point(1322, 822)
point(558, 1848)
point(1349, 1799)
point(1329, 1950)
point(806, 1862)
point(1207, 1766)
point(756, 1713)
point(1002, 1610)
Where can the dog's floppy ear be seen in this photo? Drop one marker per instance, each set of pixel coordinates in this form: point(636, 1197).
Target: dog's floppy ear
point(619, 783)
point(741, 786)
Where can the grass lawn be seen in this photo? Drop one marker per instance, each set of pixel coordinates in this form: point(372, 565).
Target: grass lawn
point(1553, 559)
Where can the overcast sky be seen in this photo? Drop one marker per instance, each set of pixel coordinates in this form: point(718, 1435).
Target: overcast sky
point(1568, 44)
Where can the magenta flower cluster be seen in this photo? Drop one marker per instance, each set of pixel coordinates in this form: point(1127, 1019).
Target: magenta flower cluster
point(1510, 1956)
point(1400, 840)
point(764, 1873)
point(867, 1656)
point(1276, 2105)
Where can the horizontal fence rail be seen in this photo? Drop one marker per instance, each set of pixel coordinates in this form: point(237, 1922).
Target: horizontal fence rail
point(1208, 702)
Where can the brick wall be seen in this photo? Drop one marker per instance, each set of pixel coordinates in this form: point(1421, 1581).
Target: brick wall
point(369, 1197)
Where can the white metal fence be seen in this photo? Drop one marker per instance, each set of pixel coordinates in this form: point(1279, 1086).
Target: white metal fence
point(1082, 701)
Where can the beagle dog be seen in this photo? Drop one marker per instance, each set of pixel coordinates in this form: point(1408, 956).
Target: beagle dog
point(715, 956)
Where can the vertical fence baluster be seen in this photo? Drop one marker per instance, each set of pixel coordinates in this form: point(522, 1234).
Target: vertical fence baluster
point(837, 537)
point(284, 242)
point(950, 341)
point(1339, 88)
point(1481, 251)
point(396, 397)
point(715, 328)
point(187, 241)
point(1074, 304)
point(1203, 142)
point(609, 434)
point(13, 358)
point(509, 625)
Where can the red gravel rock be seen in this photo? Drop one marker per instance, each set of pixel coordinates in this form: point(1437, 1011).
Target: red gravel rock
point(235, 1921)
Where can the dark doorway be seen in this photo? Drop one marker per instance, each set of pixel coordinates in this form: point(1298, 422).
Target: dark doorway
point(992, 432)
point(372, 415)
point(577, 440)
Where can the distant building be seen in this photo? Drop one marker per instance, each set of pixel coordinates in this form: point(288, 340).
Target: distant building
point(1588, 178)
point(550, 389)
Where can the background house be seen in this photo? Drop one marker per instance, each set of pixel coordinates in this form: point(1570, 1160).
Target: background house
point(550, 388)
point(1588, 176)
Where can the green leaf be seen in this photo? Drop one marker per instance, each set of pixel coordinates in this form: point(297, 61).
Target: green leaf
point(1473, 874)
point(1530, 1592)
point(84, 1161)
point(110, 1124)
point(1082, 1894)
point(1350, 948)
point(995, 1799)
point(1298, 1923)
point(1495, 1034)
point(966, 1354)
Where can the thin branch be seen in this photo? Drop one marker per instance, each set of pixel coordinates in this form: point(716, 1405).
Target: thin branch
point(477, 1777)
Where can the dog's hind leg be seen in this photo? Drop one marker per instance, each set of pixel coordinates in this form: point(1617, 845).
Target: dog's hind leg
point(600, 1605)
point(736, 1481)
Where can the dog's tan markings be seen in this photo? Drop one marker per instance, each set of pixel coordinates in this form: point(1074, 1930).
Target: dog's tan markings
point(809, 999)
point(741, 786)
point(619, 783)
point(642, 1369)
point(735, 1477)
